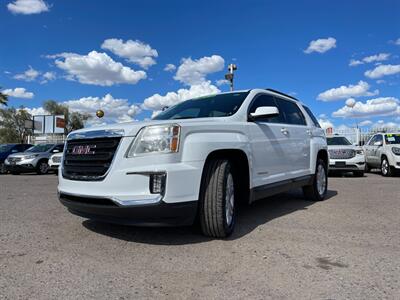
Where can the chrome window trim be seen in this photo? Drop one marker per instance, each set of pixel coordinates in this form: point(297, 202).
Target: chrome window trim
point(108, 133)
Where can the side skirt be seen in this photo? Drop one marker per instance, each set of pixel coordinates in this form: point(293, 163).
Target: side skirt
point(263, 191)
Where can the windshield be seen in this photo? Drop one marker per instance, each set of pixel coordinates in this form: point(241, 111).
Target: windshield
point(337, 141)
point(40, 148)
point(5, 148)
point(222, 105)
point(392, 138)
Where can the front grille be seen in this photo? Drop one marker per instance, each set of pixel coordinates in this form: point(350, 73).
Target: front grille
point(14, 159)
point(89, 159)
point(342, 153)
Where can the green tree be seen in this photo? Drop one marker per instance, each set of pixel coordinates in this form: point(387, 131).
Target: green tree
point(73, 120)
point(3, 98)
point(12, 125)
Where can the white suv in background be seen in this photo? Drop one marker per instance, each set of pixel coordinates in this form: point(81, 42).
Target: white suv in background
point(383, 151)
point(195, 161)
point(345, 157)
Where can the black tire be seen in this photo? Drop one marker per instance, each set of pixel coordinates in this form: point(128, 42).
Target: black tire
point(212, 210)
point(311, 191)
point(358, 173)
point(386, 169)
point(42, 167)
point(3, 169)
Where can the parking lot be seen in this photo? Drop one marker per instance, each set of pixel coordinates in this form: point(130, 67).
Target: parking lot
point(284, 247)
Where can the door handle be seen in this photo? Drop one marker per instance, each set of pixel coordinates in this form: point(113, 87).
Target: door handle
point(309, 132)
point(284, 131)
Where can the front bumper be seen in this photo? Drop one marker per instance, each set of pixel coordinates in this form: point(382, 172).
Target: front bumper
point(20, 168)
point(356, 163)
point(155, 214)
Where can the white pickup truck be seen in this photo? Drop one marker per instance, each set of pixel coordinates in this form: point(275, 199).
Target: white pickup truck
point(195, 161)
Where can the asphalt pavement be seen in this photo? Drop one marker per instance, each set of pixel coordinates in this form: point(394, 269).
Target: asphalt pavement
point(347, 247)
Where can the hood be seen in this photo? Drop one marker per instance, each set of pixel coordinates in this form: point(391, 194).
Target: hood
point(23, 154)
point(132, 128)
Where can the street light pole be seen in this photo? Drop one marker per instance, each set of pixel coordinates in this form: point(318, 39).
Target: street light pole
point(230, 75)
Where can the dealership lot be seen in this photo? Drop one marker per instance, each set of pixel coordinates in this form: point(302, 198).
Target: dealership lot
point(284, 247)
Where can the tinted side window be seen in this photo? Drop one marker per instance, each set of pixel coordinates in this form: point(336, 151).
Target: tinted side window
point(291, 111)
point(313, 118)
point(372, 140)
point(266, 100)
point(379, 138)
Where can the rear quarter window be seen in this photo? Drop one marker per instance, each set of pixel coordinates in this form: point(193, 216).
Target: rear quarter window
point(312, 117)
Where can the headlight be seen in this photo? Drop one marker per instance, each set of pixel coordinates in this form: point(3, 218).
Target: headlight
point(396, 150)
point(156, 139)
point(361, 152)
point(30, 156)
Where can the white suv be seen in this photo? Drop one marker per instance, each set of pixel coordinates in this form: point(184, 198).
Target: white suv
point(383, 151)
point(195, 161)
point(345, 157)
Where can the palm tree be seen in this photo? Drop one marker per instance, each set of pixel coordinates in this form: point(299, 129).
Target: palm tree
point(3, 98)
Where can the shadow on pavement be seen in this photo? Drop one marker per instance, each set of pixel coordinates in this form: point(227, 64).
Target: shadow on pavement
point(249, 218)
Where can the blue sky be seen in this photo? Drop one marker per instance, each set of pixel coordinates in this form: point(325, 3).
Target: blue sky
point(49, 49)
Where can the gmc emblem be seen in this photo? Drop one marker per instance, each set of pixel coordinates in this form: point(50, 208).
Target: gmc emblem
point(83, 150)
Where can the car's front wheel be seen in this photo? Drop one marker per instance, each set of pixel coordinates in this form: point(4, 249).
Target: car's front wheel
point(386, 169)
point(317, 190)
point(42, 167)
point(217, 199)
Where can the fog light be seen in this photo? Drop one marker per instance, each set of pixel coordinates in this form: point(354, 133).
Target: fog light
point(157, 183)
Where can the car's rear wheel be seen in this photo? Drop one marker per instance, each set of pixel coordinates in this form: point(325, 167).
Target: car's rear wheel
point(386, 169)
point(3, 169)
point(217, 212)
point(42, 167)
point(317, 190)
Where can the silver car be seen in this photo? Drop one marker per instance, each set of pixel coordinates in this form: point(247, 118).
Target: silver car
point(35, 159)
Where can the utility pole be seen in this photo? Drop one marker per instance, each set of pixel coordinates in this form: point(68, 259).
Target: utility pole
point(229, 76)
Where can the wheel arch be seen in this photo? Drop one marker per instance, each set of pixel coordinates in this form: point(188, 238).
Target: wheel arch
point(241, 165)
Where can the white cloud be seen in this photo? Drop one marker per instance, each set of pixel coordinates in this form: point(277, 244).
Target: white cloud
point(193, 72)
point(36, 111)
point(382, 125)
point(382, 70)
point(325, 123)
point(382, 106)
point(169, 67)
point(96, 68)
point(321, 45)
point(29, 75)
point(355, 62)
point(220, 82)
point(19, 93)
point(48, 76)
point(116, 110)
point(133, 51)
point(343, 92)
point(370, 59)
point(157, 102)
point(27, 7)
point(397, 42)
point(365, 123)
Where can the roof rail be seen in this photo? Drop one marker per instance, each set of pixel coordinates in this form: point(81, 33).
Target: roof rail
point(283, 94)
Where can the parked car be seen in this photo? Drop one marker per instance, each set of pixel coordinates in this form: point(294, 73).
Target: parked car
point(55, 161)
point(7, 149)
point(345, 157)
point(35, 159)
point(195, 161)
point(383, 151)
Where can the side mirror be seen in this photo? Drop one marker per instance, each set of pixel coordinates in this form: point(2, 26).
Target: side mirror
point(378, 144)
point(264, 111)
point(56, 151)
